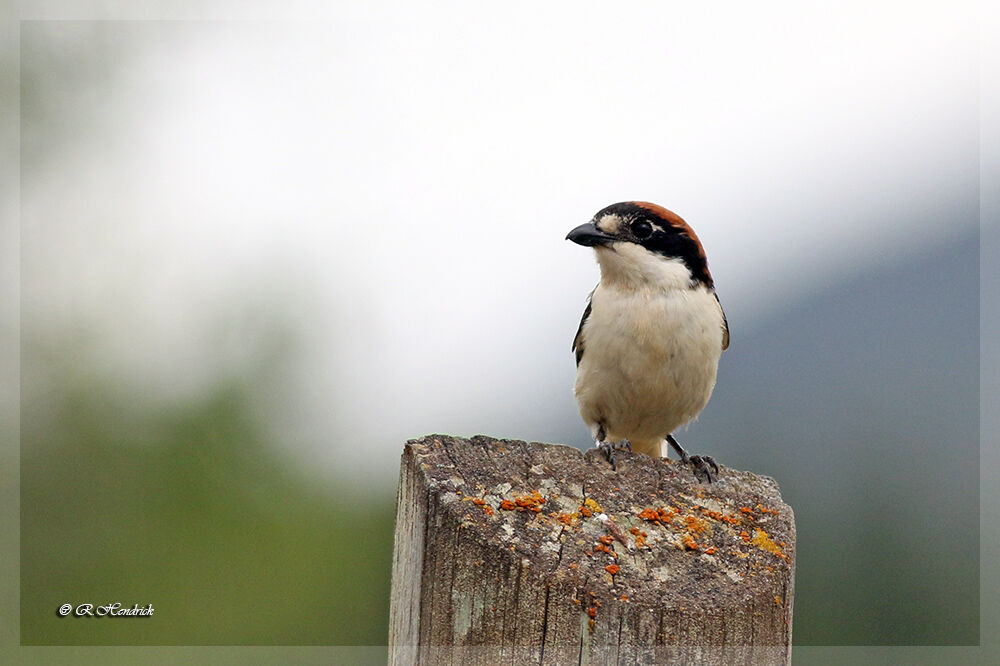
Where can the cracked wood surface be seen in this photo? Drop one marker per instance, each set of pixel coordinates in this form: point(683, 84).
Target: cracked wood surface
point(509, 552)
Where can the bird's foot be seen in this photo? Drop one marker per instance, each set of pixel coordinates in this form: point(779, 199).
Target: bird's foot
point(701, 465)
point(609, 449)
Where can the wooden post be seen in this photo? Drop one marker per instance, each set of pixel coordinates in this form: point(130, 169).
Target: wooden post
point(517, 553)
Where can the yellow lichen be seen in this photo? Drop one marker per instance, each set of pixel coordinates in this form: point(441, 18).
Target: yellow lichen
point(764, 542)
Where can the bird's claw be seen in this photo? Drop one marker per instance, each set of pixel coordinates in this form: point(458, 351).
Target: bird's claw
point(609, 450)
point(700, 466)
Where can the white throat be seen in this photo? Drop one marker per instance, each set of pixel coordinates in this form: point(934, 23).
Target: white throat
point(631, 265)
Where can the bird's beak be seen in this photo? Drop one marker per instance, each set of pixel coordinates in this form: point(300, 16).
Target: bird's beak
point(588, 234)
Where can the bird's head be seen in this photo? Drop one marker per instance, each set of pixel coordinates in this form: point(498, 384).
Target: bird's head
point(641, 243)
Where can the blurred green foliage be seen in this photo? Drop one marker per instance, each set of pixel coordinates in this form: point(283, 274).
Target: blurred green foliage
point(190, 510)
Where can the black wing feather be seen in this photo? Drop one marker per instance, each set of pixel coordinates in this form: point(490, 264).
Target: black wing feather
point(578, 340)
point(725, 326)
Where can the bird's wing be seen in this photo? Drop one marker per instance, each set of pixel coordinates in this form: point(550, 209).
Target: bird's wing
point(725, 326)
point(578, 340)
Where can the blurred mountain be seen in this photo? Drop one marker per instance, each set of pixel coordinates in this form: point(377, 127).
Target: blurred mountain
point(863, 402)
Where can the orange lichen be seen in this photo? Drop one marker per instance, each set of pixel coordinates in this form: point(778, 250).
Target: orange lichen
point(607, 539)
point(764, 509)
point(723, 517)
point(710, 550)
point(661, 515)
point(488, 510)
point(624, 597)
point(777, 600)
point(714, 515)
point(532, 502)
point(593, 506)
point(585, 512)
point(694, 524)
point(566, 518)
point(745, 536)
point(690, 543)
point(746, 510)
point(478, 501)
point(649, 514)
point(640, 540)
point(601, 547)
point(590, 624)
point(592, 611)
point(612, 569)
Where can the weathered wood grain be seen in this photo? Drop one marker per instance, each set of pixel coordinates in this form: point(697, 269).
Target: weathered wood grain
point(510, 552)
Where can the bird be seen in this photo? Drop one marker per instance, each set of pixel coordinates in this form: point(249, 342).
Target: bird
point(652, 333)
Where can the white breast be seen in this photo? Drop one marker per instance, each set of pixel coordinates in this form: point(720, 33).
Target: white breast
point(650, 358)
